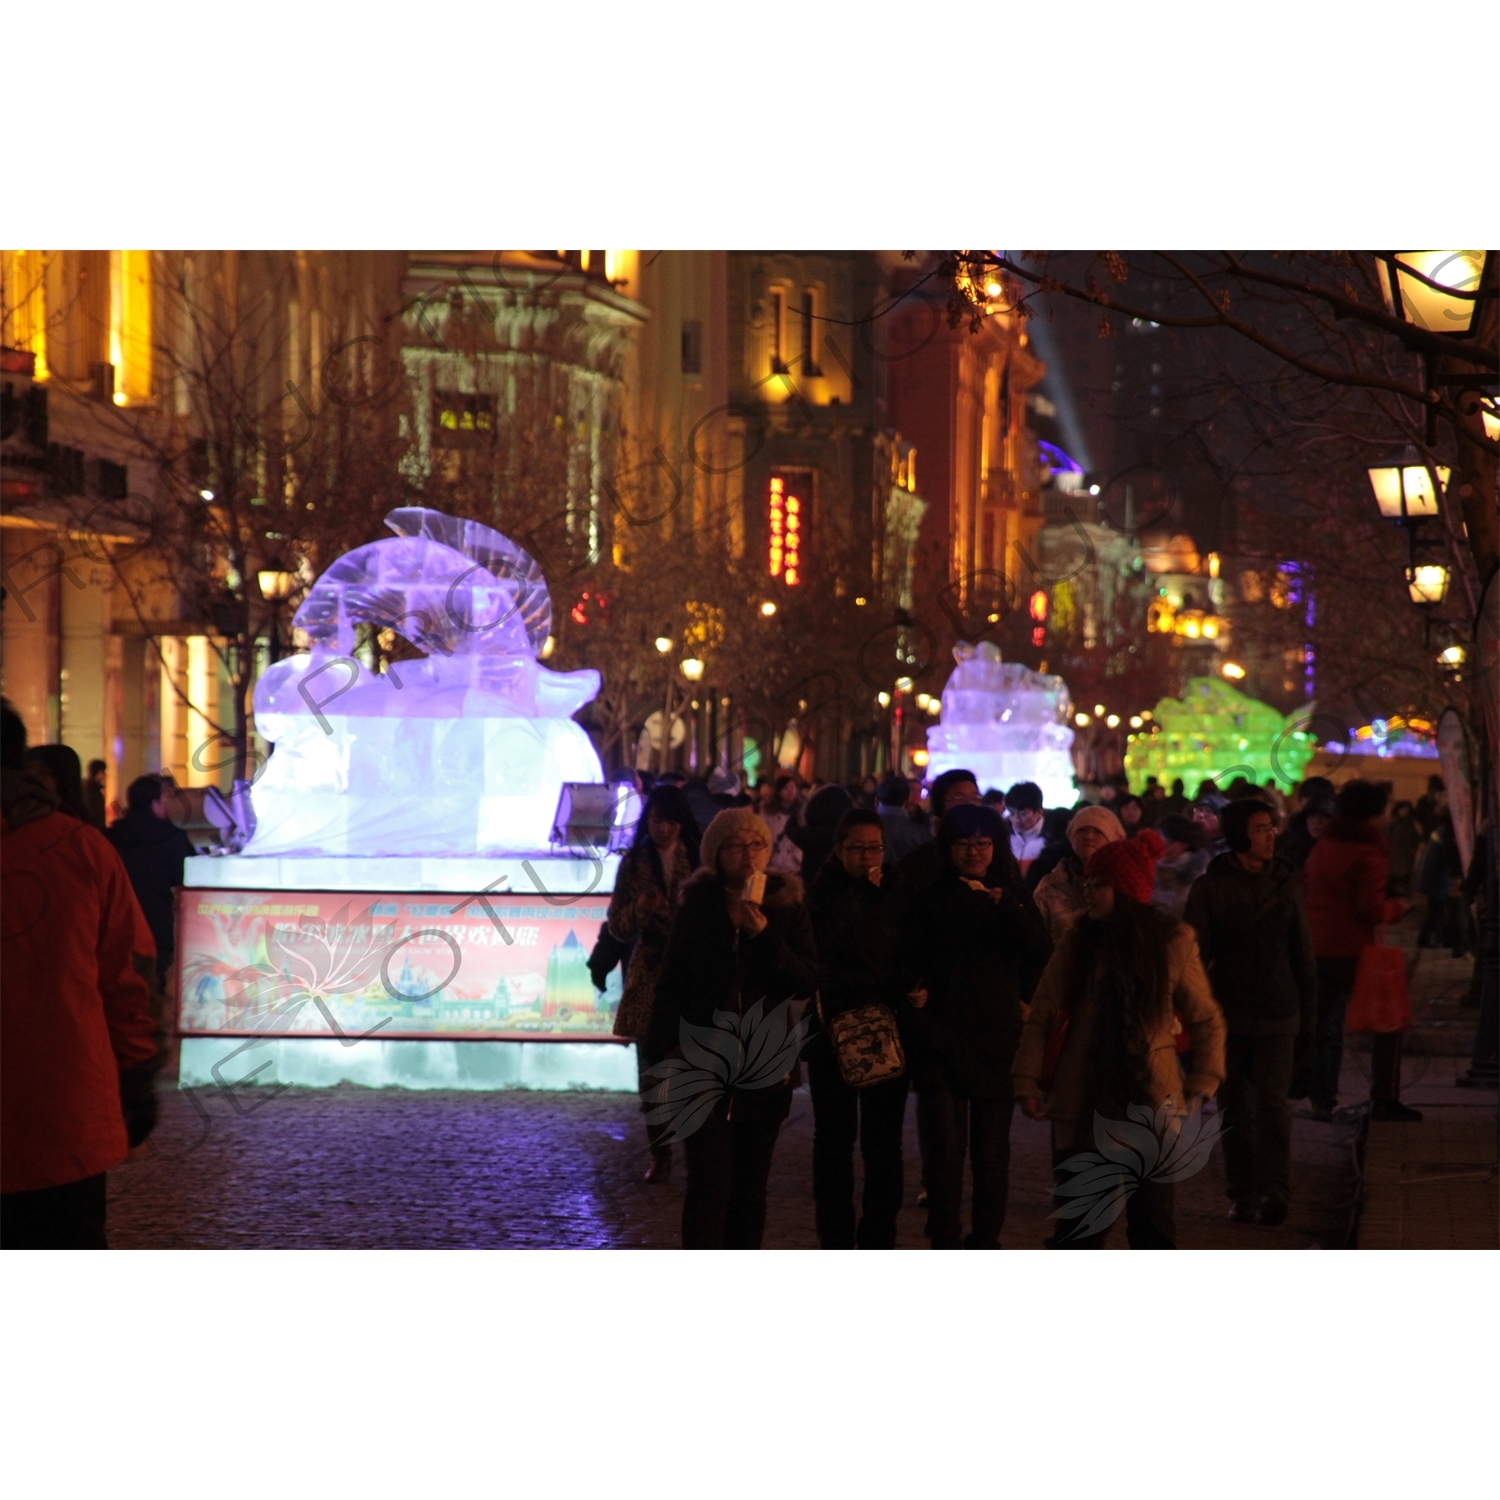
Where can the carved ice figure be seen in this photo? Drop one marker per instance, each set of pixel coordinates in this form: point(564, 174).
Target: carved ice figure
point(462, 752)
point(1005, 723)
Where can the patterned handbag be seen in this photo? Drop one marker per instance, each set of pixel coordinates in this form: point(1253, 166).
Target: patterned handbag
point(865, 1043)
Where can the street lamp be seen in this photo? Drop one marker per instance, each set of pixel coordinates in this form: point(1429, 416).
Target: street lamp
point(664, 644)
point(1403, 487)
point(1428, 583)
point(1436, 290)
point(692, 668)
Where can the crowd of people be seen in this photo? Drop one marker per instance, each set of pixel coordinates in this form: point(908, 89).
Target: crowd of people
point(974, 948)
point(1138, 949)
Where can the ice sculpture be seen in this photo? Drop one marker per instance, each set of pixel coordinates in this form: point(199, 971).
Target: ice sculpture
point(1005, 723)
point(462, 752)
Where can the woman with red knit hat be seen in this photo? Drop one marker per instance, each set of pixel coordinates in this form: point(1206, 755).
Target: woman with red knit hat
point(1124, 982)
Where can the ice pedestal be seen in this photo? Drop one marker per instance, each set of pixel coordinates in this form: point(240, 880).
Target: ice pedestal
point(1005, 723)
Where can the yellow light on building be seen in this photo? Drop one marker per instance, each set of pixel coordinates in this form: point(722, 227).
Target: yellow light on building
point(664, 644)
point(1454, 656)
point(1099, 709)
point(861, 601)
point(1232, 670)
point(1081, 720)
point(1113, 721)
point(1136, 721)
point(923, 699)
point(692, 668)
point(883, 699)
point(768, 607)
point(903, 684)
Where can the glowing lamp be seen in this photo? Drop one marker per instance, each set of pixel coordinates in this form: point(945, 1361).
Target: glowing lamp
point(919, 757)
point(664, 644)
point(1428, 583)
point(1136, 721)
point(1233, 670)
point(861, 601)
point(903, 684)
point(1113, 721)
point(923, 699)
point(1403, 487)
point(205, 495)
point(276, 583)
point(692, 668)
point(1099, 710)
point(1454, 656)
point(883, 699)
point(1433, 289)
point(1081, 720)
point(768, 607)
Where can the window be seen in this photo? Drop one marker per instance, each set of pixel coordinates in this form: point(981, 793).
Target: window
point(460, 420)
point(778, 329)
point(692, 347)
point(809, 349)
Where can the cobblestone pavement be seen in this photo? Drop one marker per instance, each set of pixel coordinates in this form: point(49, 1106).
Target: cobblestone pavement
point(352, 1167)
point(357, 1168)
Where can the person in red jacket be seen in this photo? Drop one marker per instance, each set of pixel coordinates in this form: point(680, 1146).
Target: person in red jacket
point(78, 1048)
point(1345, 882)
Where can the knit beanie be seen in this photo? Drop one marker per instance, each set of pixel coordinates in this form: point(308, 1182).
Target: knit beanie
point(733, 820)
point(1094, 816)
point(1128, 865)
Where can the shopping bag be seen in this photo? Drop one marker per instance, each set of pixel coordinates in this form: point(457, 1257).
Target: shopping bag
point(1379, 1001)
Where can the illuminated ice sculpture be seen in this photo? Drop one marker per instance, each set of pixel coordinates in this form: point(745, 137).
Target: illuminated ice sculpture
point(462, 752)
point(1005, 723)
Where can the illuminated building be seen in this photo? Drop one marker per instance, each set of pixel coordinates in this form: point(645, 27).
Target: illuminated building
point(569, 990)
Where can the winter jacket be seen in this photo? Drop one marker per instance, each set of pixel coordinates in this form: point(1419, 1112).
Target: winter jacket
point(1070, 1105)
point(1345, 883)
point(855, 924)
point(77, 1044)
point(709, 965)
point(1256, 947)
point(786, 853)
point(979, 960)
point(153, 850)
point(1059, 896)
point(902, 832)
point(640, 913)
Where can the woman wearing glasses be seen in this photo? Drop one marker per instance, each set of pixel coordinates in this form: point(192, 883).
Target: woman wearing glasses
point(740, 952)
point(973, 952)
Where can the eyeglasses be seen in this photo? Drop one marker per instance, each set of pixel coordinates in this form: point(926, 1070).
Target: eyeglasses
point(977, 845)
point(864, 848)
point(750, 848)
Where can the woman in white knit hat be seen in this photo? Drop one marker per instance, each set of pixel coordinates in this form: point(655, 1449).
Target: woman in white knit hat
point(1059, 895)
point(740, 938)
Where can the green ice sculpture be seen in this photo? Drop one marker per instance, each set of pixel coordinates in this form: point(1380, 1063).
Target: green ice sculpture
point(1215, 731)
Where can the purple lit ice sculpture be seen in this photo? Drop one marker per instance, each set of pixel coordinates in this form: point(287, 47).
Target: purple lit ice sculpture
point(462, 752)
point(1005, 723)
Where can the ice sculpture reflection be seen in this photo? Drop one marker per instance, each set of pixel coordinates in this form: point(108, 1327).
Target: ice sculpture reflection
point(462, 752)
point(1005, 723)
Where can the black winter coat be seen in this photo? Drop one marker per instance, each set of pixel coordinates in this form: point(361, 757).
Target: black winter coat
point(980, 960)
point(856, 926)
point(709, 965)
point(153, 850)
point(1256, 946)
